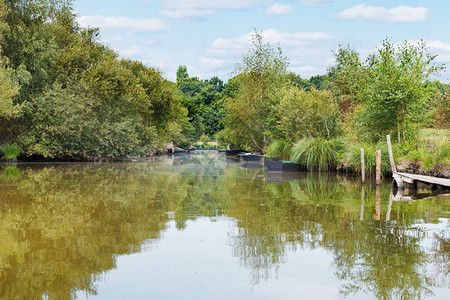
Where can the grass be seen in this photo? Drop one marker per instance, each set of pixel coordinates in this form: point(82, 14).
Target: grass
point(279, 150)
point(317, 153)
point(11, 151)
point(432, 150)
point(352, 157)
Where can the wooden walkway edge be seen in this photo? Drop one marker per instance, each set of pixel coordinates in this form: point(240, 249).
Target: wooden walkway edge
point(413, 179)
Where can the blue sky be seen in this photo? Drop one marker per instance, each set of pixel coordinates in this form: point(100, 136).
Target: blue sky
point(210, 36)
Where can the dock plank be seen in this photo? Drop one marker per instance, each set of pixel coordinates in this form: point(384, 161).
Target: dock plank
point(426, 179)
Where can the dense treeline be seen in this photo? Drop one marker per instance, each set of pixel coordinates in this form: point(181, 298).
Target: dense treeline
point(65, 95)
point(324, 122)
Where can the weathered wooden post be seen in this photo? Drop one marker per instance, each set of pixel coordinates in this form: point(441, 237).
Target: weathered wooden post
point(378, 167)
point(391, 156)
point(363, 167)
point(397, 178)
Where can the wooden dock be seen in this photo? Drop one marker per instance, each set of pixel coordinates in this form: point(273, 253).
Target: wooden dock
point(412, 179)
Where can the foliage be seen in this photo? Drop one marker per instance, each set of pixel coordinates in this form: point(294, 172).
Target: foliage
point(395, 94)
point(303, 114)
point(77, 99)
point(431, 151)
point(9, 88)
point(318, 82)
point(11, 151)
point(346, 77)
point(318, 153)
point(351, 159)
point(387, 92)
point(441, 108)
point(279, 150)
point(202, 98)
point(249, 122)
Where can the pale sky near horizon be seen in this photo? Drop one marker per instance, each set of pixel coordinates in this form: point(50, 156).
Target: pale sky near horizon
point(210, 36)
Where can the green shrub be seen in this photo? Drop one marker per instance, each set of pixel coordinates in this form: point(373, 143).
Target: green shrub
point(317, 154)
point(279, 150)
point(11, 151)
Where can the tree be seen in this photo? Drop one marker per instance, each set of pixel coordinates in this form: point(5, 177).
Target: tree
point(394, 94)
point(305, 114)
point(346, 77)
point(261, 76)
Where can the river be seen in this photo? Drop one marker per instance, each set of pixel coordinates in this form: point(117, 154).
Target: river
point(201, 226)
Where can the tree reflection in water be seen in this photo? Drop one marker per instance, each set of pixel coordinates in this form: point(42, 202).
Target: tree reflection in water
point(64, 225)
point(384, 258)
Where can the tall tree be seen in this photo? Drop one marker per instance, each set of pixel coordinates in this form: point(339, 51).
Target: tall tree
point(261, 76)
point(394, 93)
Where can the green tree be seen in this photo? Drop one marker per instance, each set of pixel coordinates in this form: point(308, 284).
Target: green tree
point(305, 114)
point(261, 76)
point(346, 77)
point(394, 94)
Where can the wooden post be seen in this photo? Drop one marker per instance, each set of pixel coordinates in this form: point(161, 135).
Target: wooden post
point(363, 195)
point(363, 167)
point(378, 203)
point(391, 156)
point(378, 167)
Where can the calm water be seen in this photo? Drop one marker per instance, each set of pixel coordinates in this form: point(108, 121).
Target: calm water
point(203, 227)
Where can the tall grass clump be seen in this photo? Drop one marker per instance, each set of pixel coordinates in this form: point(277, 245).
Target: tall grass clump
point(317, 153)
point(11, 151)
point(279, 150)
point(352, 157)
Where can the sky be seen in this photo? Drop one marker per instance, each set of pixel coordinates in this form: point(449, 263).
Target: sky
point(210, 37)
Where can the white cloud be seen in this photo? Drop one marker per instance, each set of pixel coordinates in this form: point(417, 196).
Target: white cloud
point(131, 51)
point(122, 23)
point(316, 2)
point(401, 14)
point(186, 13)
point(181, 9)
point(212, 4)
point(207, 63)
point(278, 9)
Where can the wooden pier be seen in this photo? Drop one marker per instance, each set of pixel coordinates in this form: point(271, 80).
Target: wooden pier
point(412, 179)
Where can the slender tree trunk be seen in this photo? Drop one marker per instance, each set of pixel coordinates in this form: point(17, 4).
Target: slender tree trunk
point(404, 125)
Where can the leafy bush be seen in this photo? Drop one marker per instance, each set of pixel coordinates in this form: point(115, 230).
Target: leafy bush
point(11, 151)
point(279, 150)
point(318, 153)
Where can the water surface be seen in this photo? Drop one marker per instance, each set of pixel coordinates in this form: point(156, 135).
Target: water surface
point(203, 227)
